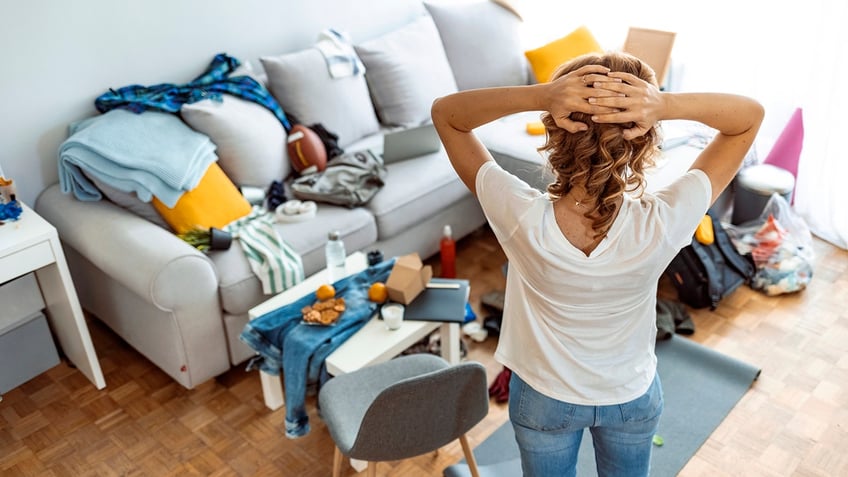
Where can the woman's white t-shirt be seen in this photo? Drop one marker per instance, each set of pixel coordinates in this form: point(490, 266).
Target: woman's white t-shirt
point(579, 328)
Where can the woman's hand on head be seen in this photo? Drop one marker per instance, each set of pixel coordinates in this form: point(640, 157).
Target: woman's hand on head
point(570, 94)
point(638, 102)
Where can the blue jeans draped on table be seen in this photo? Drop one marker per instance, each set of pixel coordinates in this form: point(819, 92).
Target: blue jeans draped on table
point(285, 343)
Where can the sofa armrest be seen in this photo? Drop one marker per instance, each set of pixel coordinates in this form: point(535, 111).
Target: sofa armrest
point(147, 259)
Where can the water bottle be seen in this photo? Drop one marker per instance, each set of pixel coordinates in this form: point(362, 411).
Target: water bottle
point(335, 254)
point(447, 253)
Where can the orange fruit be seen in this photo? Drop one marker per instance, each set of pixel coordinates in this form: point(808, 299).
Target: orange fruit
point(325, 292)
point(378, 292)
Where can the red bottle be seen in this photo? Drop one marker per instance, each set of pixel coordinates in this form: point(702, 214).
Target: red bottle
point(447, 253)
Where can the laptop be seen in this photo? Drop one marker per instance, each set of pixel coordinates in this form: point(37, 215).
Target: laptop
point(408, 143)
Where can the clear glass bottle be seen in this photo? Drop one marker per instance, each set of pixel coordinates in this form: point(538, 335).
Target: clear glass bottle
point(335, 254)
point(447, 253)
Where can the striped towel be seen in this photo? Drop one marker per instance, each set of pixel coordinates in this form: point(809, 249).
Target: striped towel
point(342, 60)
point(273, 261)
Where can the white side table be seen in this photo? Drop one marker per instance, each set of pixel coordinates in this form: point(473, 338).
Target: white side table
point(32, 244)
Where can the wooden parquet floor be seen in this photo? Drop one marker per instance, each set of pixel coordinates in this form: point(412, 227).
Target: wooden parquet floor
point(793, 422)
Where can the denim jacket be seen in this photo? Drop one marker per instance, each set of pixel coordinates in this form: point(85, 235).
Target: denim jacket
point(285, 343)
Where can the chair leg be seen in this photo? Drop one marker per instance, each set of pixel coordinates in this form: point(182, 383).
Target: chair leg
point(469, 456)
point(372, 469)
point(337, 463)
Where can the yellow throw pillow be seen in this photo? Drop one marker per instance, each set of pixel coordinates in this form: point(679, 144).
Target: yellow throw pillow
point(215, 202)
point(546, 59)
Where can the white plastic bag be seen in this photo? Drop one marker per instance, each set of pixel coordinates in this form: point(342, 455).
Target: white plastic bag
point(781, 245)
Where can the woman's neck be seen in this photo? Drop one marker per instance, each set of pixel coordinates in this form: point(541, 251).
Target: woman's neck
point(579, 199)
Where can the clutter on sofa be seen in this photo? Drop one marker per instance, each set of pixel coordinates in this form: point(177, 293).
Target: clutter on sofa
point(351, 180)
point(221, 77)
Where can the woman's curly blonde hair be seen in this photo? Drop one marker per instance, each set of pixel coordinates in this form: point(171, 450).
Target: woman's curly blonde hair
point(600, 159)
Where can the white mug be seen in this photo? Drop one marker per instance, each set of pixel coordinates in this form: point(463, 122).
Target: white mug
point(392, 314)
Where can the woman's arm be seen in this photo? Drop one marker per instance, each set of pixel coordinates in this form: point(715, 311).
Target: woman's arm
point(737, 119)
point(457, 115)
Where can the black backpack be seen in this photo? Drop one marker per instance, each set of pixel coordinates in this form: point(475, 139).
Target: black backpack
point(704, 274)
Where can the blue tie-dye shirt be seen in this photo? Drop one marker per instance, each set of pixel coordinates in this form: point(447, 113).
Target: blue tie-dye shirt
point(215, 81)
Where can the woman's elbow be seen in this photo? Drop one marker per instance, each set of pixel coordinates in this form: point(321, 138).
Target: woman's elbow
point(437, 110)
point(757, 113)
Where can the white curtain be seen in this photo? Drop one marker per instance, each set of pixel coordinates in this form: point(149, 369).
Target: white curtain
point(785, 54)
point(822, 187)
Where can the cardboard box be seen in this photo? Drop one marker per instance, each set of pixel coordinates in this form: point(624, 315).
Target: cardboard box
point(408, 278)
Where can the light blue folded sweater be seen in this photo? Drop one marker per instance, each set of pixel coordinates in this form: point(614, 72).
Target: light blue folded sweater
point(153, 154)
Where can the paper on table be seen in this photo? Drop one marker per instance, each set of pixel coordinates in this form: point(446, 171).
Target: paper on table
point(453, 286)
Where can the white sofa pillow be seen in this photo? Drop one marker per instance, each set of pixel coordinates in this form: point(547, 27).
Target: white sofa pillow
point(406, 70)
point(249, 139)
point(482, 40)
point(302, 85)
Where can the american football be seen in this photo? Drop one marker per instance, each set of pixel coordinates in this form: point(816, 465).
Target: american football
point(306, 150)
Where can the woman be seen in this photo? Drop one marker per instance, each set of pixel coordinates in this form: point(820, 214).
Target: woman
point(579, 321)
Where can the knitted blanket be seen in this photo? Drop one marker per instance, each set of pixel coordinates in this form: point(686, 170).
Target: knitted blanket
point(151, 154)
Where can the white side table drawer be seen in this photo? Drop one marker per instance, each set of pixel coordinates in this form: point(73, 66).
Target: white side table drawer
point(25, 260)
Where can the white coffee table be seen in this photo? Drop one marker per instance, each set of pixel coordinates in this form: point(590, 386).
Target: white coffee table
point(370, 345)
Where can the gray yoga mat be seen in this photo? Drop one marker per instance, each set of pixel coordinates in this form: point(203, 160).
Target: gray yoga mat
point(700, 386)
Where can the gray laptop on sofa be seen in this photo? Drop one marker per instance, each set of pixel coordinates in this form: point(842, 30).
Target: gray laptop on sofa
point(411, 142)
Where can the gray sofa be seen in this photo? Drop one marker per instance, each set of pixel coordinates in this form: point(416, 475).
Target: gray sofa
point(184, 309)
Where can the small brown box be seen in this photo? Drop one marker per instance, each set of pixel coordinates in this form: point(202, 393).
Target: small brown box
point(409, 277)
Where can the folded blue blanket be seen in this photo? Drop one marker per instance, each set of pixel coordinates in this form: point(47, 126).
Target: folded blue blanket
point(151, 154)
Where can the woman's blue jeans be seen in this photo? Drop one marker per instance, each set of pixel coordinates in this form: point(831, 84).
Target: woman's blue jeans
point(549, 431)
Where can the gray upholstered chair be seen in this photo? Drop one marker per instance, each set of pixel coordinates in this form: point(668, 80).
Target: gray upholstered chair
point(403, 408)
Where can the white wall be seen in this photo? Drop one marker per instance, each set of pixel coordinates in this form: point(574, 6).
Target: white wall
point(57, 56)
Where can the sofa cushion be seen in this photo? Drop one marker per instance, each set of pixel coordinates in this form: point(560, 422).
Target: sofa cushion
point(516, 150)
point(414, 190)
point(302, 85)
point(547, 58)
point(482, 42)
point(406, 70)
point(241, 290)
point(130, 202)
point(249, 139)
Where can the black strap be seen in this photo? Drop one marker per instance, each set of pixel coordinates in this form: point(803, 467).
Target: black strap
point(734, 258)
point(712, 261)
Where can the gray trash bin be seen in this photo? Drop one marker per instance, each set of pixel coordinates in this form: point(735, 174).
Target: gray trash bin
point(754, 186)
